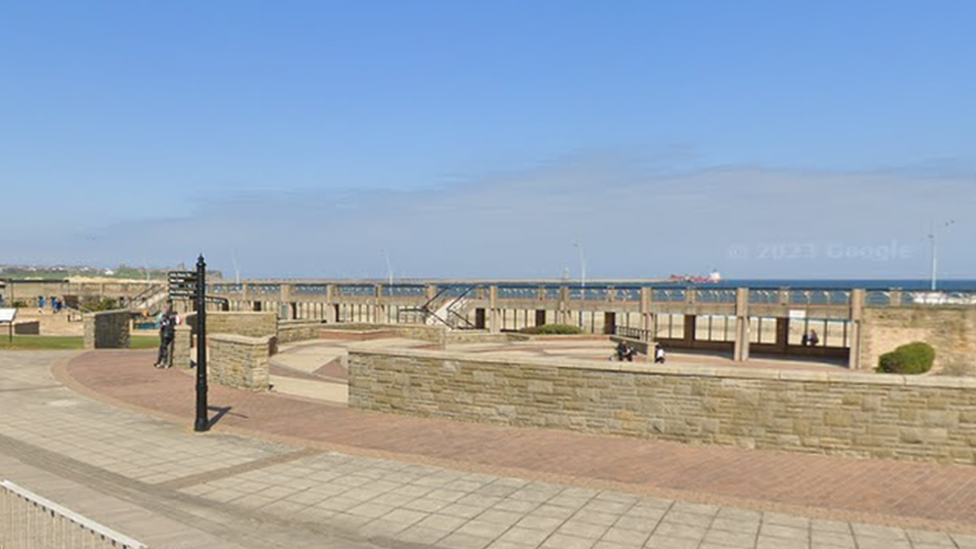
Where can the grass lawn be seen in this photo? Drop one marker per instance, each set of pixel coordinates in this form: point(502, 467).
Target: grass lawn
point(65, 343)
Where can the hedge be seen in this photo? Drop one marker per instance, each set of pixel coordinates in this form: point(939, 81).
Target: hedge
point(552, 329)
point(913, 358)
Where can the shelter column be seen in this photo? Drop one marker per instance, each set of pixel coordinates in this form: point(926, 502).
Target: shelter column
point(741, 352)
point(380, 307)
point(854, 333)
point(563, 311)
point(330, 309)
point(494, 319)
point(287, 306)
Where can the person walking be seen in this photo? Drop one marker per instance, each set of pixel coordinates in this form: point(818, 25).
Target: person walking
point(167, 335)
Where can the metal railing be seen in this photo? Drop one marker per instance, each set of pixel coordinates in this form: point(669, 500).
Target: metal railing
point(672, 295)
point(310, 289)
point(29, 521)
point(265, 288)
point(597, 293)
point(402, 290)
point(356, 290)
point(633, 333)
point(715, 295)
point(938, 298)
point(518, 292)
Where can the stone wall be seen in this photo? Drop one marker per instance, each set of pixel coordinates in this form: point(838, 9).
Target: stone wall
point(434, 334)
point(183, 347)
point(107, 329)
point(364, 334)
point(299, 330)
point(867, 415)
point(242, 323)
point(951, 330)
point(239, 361)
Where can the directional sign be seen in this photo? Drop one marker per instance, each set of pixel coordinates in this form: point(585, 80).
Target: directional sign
point(182, 276)
point(183, 284)
point(187, 285)
point(183, 293)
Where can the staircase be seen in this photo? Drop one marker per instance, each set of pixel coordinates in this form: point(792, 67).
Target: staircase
point(149, 299)
point(445, 310)
point(452, 313)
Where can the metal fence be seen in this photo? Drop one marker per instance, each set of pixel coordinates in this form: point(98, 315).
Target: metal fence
point(29, 521)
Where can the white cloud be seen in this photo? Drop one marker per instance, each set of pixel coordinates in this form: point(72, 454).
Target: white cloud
point(748, 222)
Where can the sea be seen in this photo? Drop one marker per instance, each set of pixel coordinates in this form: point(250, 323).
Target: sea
point(948, 285)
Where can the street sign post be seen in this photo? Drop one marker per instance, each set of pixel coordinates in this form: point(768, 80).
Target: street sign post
point(192, 285)
point(199, 287)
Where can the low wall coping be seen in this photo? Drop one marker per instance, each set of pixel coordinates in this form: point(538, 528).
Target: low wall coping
point(301, 322)
point(234, 338)
point(684, 369)
point(111, 312)
point(352, 331)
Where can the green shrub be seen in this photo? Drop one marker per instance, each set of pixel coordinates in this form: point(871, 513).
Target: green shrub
point(913, 358)
point(552, 329)
point(94, 304)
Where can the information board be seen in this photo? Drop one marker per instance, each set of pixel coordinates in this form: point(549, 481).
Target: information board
point(8, 315)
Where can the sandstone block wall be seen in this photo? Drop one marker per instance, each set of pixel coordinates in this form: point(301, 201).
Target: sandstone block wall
point(951, 330)
point(107, 329)
point(867, 415)
point(299, 330)
point(182, 347)
point(239, 361)
point(242, 323)
point(434, 334)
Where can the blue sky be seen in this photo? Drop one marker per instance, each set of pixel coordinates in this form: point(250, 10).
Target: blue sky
point(482, 139)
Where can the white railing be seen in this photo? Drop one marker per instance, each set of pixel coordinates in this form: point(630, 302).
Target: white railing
point(938, 298)
point(29, 521)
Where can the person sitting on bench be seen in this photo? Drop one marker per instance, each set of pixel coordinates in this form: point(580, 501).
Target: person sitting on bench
point(625, 352)
point(658, 353)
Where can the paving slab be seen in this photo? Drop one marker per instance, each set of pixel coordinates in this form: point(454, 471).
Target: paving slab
point(300, 473)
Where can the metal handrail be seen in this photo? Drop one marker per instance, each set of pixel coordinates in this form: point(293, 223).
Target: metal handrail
point(54, 512)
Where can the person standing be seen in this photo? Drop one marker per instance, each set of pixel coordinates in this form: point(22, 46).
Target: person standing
point(813, 338)
point(167, 335)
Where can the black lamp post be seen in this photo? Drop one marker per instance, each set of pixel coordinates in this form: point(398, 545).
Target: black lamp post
point(202, 423)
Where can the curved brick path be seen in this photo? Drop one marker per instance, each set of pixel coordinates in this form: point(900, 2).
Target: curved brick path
point(887, 492)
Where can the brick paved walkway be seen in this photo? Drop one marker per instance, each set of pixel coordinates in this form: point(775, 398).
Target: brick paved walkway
point(900, 494)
